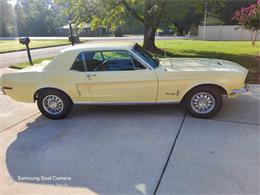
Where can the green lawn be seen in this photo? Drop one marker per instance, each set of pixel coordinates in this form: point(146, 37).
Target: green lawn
point(14, 45)
point(26, 64)
point(241, 52)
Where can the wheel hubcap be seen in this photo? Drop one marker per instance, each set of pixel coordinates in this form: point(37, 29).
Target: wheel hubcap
point(202, 102)
point(52, 104)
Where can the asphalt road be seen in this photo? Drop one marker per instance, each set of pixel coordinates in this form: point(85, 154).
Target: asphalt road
point(11, 58)
point(131, 150)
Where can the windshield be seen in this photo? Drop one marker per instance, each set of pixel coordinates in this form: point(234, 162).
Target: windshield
point(146, 56)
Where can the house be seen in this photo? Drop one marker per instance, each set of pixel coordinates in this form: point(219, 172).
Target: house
point(83, 31)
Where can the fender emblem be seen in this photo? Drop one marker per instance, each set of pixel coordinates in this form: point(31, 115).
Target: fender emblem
point(170, 93)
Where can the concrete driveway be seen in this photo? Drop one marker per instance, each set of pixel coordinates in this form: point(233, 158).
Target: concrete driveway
point(131, 150)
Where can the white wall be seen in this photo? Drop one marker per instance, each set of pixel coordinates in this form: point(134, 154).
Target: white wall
point(224, 33)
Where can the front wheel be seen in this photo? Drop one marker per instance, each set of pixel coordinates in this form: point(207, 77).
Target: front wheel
point(54, 104)
point(204, 102)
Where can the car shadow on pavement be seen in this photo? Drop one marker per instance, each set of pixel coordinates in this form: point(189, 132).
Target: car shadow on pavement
point(109, 150)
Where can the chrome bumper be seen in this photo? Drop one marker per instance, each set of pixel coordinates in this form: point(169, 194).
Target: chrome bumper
point(239, 91)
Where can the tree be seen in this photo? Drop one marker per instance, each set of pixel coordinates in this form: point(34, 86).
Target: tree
point(112, 13)
point(6, 20)
point(183, 14)
point(249, 18)
point(37, 17)
point(183, 24)
point(224, 9)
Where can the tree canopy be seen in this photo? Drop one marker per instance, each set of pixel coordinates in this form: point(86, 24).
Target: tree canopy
point(42, 17)
point(6, 23)
point(30, 18)
point(152, 14)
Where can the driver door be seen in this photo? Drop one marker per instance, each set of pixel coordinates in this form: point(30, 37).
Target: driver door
point(113, 76)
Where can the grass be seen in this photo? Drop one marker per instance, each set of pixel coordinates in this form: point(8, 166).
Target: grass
point(27, 64)
point(241, 52)
point(14, 45)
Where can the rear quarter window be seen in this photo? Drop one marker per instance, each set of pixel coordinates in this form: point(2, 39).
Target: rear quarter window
point(78, 64)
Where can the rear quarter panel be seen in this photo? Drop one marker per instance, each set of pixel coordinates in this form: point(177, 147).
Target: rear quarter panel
point(56, 74)
point(23, 85)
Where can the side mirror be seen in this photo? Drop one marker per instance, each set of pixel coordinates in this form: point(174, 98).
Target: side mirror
point(24, 40)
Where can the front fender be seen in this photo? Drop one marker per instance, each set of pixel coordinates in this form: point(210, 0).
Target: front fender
point(216, 84)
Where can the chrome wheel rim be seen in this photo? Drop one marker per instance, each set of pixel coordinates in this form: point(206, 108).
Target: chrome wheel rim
point(53, 104)
point(203, 102)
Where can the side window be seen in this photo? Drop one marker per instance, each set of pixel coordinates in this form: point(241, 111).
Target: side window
point(115, 55)
point(78, 64)
point(94, 61)
point(117, 61)
point(106, 61)
point(98, 56)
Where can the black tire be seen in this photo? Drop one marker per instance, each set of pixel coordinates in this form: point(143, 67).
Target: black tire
point(212, 92)
point(64, 100)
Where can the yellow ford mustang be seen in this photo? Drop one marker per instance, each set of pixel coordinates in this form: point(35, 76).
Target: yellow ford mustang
point(124, 74)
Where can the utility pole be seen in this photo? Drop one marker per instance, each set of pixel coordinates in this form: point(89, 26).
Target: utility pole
point(205, 20)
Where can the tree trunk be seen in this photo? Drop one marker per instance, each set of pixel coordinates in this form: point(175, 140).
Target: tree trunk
point(151, 20)
point(149, 37)
point(179, 30)
point(253, 37)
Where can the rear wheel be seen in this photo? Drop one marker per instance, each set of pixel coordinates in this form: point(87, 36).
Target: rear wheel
point(204, 102)
point(54, 104)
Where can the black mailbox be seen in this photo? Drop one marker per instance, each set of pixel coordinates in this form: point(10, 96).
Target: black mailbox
point(24, 40)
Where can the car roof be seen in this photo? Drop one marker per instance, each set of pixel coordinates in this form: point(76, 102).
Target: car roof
point(94, 46)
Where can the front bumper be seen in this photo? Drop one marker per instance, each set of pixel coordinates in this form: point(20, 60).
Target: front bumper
point(245, 89)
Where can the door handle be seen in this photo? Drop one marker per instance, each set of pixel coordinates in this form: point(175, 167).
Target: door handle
point(91, 75)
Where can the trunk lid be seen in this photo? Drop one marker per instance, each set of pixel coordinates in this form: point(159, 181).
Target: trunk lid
point(36, 68)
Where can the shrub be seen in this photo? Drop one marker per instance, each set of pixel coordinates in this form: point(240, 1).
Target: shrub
point(249, 18)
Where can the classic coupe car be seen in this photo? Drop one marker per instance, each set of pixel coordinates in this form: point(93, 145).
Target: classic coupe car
point(124, 74)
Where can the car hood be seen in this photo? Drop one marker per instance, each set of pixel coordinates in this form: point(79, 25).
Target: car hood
point(200, 64)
